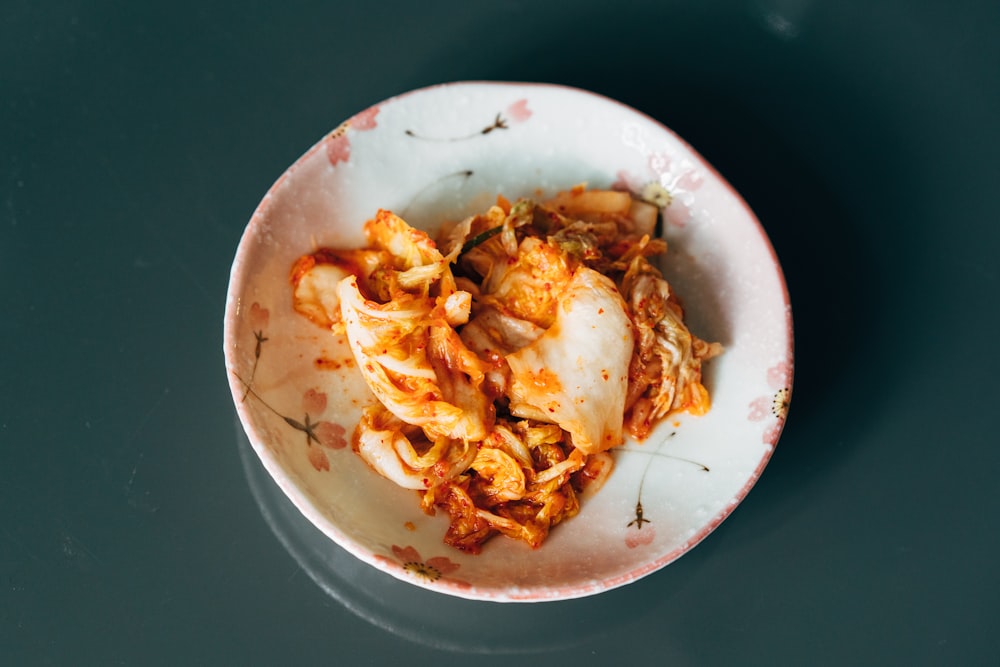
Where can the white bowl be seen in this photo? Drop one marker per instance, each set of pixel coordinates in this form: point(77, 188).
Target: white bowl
point(447, 151)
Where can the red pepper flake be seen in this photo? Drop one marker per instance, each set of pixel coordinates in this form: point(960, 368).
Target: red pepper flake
point(324, 364)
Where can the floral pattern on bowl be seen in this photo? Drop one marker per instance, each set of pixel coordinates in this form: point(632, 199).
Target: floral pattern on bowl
point(442, 153)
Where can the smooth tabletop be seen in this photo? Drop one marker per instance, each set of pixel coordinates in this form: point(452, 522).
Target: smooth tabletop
point(136, 526)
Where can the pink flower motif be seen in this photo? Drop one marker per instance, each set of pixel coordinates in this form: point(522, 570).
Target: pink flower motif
point(691, 181)
point(338, 146)
point(681, 182)
point(518, 112)
point(314, 401)
point(330, 435)
point(659, 163)
point(365, 120)
point(779, 375)
point(431, 570)
point(759, 408)
point(259, 317)
point(623, 182)
point(779, 378)
point(640, 536)
point(678, 216)
point(317, 458)
point(326, 434)
point(672, 189)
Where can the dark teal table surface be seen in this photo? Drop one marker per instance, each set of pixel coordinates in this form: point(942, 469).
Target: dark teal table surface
point(137, 138)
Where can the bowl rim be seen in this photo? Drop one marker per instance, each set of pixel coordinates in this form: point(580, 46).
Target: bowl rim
point(286, 481)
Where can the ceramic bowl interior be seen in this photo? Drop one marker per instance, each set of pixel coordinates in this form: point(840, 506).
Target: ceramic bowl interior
point(444, 152)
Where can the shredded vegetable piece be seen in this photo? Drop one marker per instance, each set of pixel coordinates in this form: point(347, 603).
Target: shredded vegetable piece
point(509, 357)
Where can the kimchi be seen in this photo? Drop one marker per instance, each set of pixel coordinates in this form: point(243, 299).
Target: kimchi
point(508, 355)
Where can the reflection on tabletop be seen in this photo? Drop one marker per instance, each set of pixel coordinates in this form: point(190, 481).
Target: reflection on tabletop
point(429, 618)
